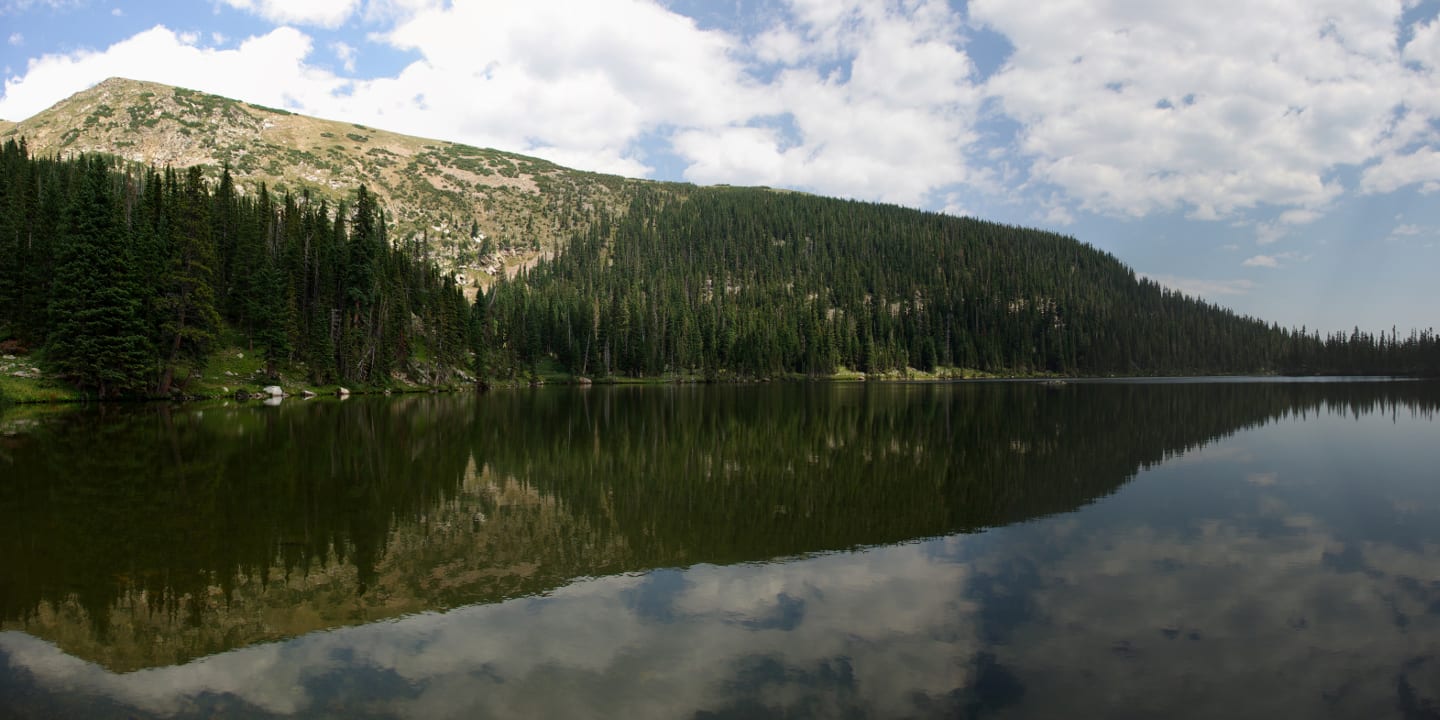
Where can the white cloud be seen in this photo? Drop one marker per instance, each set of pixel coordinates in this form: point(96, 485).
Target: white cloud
point(1299, 217)
point(594, 87)
point(1134, 108)
point(896, 129)
point(1275, 261)
point(1424, 46)
point(1059, 215)
point(388, 11)
point(576, 82)
point(1204, 288)
point(324, 13)
point(1412, 235)
point(1122, 109)
point(1396, 171)
point(1268, 233)
point(269, 69)
point(16, 39)
point(8, 7)
point(345, 53)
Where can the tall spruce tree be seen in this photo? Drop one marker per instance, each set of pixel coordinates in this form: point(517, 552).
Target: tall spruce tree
point(97, 337)
point(187, 296)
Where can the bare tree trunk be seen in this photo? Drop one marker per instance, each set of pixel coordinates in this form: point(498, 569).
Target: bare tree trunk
point(168, 376)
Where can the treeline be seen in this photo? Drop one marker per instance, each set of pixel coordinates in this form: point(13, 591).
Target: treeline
point(111, 518)
point(127, 278)
point(755, 283)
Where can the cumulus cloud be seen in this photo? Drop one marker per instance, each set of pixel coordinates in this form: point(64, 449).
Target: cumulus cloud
point(1198, 287)
point(324, 13)
point(576, 82)
point(345, 53)
point(1265, 261)
point(1136, 109)
point(897, 128)
point(1106, 107)
point(1396, 171)
point(867, 100)
point(268, 69)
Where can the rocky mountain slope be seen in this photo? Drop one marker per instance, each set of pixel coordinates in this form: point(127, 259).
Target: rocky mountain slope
point(454, 196)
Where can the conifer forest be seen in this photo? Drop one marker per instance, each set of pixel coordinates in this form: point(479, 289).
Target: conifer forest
point(126, 279)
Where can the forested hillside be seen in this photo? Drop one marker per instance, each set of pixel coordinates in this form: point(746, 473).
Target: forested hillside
point(125, 280)
point(481, 212)
point(756, 283)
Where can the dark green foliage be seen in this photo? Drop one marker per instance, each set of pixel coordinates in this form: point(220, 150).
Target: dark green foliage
point(128, 279)
point(755, 283)
point(186, 298)
point(97, 336)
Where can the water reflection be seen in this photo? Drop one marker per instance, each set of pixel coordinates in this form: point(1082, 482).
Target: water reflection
point(1288, 570)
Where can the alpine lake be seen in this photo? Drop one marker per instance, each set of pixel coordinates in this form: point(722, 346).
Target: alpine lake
point(1262, 548)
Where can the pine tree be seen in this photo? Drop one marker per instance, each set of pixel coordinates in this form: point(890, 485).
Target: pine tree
point(97, 337)
point(187, 299)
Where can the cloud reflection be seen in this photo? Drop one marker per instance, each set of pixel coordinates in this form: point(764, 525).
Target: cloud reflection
point(1215, 617)
point(1269, 580)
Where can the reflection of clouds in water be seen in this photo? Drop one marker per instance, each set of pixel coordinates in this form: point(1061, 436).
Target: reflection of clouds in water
point(258, 674)
point(1263, 479)
point(876, 631)
point(1239, 622)
point(1278, 610)
point(1213, 453)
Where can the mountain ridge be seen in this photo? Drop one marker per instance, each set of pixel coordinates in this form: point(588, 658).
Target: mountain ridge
point(453, 195)
point(630, 278)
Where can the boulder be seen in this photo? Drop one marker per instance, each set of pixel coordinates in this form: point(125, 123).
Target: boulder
point(274, 391)
point(343, 392)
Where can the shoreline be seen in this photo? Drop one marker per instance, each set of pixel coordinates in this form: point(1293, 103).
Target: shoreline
point(45, 390)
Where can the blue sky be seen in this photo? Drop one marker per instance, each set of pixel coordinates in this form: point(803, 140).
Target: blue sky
point(1279, 157)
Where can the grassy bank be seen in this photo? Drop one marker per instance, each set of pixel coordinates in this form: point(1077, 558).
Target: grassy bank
point(551, 374)
point(228, 372)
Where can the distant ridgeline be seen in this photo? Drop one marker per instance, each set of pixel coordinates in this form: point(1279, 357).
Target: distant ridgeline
point(126, 278)
point(758, 283)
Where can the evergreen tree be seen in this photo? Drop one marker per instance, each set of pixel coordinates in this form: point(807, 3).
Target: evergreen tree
point(187, 297)
point(97, 336)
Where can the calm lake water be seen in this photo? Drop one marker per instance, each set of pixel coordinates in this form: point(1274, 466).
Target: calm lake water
point(1194, 549)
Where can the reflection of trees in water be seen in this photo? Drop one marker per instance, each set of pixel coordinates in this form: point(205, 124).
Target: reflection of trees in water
point(741, 474)
point(171, 503)
point(98, 506)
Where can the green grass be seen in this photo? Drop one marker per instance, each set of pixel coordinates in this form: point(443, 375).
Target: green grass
point(36, 390)
point(230, 369)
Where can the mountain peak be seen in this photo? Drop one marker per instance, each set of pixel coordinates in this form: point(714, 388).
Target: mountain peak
point(453, 196)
